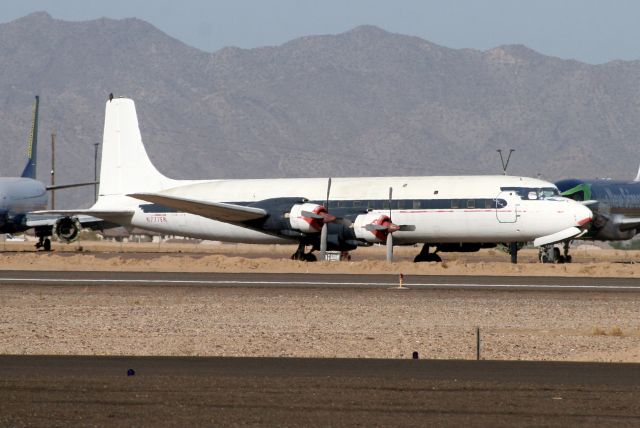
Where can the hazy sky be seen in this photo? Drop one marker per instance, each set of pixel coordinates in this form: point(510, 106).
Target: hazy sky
point(588, 30)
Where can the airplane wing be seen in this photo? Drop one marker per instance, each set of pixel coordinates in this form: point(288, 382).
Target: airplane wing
point(629, 223)
point(50, 218)
point(228, 213)
point(88, 212)
point(563, 235)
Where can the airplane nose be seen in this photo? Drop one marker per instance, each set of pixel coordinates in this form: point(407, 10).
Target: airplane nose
point(583, 215)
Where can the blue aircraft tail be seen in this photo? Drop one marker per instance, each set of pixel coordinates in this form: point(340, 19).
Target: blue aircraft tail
point(32, 149)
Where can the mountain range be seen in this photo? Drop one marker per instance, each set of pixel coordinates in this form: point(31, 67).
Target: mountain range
point(364, 102)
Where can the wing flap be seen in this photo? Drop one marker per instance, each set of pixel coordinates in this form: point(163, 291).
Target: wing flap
point(220, 211)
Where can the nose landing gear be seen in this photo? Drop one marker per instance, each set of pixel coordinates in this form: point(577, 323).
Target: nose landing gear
point(551, 254)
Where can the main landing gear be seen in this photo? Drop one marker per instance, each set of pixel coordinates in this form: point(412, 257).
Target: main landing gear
point(302, 256)
point(44, 243)
point(43, 233)
point(551, 254)
point(426, 256)
point(513, 250)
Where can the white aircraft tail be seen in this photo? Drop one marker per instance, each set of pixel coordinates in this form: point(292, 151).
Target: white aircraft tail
point(637, 176)
point(125, 166)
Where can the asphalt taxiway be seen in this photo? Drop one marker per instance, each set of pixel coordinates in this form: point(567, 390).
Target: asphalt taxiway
point(97, 391)
point(312, 280)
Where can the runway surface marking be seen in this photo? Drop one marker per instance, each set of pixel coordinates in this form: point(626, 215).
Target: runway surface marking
point(316, 283)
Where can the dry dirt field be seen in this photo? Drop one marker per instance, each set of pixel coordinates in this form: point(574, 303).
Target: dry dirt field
point(135, 320)
point(209, 257)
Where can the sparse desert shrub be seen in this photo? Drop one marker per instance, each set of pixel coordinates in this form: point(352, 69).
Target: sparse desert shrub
point(616, 331)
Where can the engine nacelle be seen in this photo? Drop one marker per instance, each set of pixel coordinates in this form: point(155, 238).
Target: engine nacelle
point(372, 234)
point(608, 228)
point(307, 224)
point(67, 229)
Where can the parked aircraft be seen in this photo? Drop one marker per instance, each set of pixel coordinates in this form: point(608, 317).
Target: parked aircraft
point(615, 204)
point(457, 213)
point(20, 195)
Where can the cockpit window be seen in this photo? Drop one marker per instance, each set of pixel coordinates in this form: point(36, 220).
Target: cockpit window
point(500, 203)
point(531, 193)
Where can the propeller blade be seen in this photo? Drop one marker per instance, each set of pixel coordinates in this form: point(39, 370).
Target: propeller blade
point(310, 214)
point(323, 242)
point(390, 199)
point(326, 205)
point(371, 227)
point(390, 248)
point(326, 218)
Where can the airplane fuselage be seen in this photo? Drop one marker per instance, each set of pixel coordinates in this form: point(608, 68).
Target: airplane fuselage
point(446, 209)
point(616, 200)
point(19, 195)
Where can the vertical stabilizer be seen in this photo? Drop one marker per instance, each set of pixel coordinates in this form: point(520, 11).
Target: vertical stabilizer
point(32, 147)
point(637, 176)
point(125, 166)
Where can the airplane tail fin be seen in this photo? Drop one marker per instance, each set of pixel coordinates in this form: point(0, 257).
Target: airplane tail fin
point(637, 176)
point(32, 147)
point(125, 166)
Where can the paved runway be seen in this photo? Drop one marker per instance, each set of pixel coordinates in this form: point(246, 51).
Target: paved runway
point(329, 281)
point(96, 391)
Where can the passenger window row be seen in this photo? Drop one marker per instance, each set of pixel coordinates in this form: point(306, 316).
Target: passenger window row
point(401, 204)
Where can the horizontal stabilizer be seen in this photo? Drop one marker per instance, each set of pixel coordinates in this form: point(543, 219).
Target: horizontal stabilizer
point(220, 211)
point(69, 186)
point(563, 235)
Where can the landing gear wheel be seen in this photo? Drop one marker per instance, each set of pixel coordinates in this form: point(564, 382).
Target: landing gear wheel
point(557, 258)
point(567, 257)
point(47, 244)
point(310, 257)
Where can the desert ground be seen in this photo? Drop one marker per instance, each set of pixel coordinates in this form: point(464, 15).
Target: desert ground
point(195, 256)
point(207, 321)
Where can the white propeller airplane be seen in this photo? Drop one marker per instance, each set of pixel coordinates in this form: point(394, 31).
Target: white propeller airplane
point(456, 213)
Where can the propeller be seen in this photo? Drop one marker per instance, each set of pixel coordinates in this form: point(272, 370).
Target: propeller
point(384, 227)
point(323, 232)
